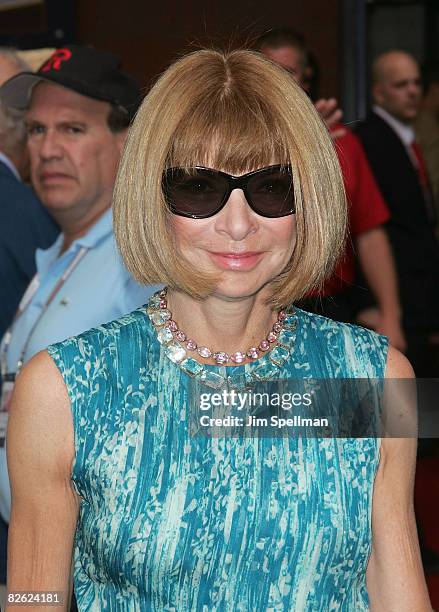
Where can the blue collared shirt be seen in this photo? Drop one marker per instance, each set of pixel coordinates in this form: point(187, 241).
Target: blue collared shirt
point(98, 290)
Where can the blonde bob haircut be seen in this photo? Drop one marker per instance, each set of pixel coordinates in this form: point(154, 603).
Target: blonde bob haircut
point(236, 112)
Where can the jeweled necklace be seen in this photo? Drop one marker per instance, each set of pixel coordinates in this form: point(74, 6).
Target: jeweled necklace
point(164, 316)
point(178, 347)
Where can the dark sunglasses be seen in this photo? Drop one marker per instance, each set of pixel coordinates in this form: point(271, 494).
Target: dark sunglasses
point(202, 192)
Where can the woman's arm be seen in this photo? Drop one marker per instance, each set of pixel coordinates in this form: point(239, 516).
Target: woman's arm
point(395, 578)
point(45, 506)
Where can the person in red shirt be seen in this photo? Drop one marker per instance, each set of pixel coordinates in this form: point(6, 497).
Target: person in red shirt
point(367, 209)
point(367, 212)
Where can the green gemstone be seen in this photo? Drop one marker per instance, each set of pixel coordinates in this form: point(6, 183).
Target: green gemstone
point(154, 301)
point(159, 317)
point(290, 322)
point(191, 367)
point(265, 372)
point(175, 352)
point(287, 336)
point(279, 355)
point(164, 336)
point(212, 380)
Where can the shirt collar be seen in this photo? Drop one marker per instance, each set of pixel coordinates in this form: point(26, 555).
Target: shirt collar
point(100, 230)
point(405, 132)
point(8, 163)
point(45, 257)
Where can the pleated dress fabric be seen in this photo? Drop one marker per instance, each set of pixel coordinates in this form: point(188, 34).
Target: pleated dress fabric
point(170, 521)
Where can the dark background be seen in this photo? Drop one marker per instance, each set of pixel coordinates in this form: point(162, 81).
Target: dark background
point(343, 34)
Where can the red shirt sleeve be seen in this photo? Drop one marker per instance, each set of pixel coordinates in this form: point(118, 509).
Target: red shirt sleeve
point(367, 208)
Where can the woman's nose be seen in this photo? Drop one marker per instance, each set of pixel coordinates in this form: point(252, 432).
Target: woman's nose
point(237, 218)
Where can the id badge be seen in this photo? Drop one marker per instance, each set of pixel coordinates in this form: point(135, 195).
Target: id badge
point(5, 402)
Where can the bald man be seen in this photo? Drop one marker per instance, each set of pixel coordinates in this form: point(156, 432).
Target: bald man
point(389, 142)
point(397, 86)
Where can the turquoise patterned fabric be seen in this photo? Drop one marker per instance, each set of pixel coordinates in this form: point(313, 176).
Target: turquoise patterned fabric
point(174, 522)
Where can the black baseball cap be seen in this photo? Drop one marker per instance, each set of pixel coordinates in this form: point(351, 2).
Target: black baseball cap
point(86, 70)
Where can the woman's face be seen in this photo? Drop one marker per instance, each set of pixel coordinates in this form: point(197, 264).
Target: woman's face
point(245, 250)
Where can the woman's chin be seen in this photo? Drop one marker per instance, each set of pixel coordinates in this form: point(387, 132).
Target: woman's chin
point(238, 288)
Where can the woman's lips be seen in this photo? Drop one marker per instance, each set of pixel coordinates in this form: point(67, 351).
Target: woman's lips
point(236, 261)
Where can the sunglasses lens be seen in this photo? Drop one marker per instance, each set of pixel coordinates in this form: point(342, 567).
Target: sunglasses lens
point(195, 193)
point(272, 193)
point(200, 192)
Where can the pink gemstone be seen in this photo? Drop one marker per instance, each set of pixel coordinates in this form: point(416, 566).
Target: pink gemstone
point(272, 337)
point(191, 345)
point(264, 346)
point(253, 353)
point(180, 335)
point(203, 351)
point(281, 316)
point(172, 325)
point(221, 357)
point(277, 328)
point(163, 303)
point(238, 357)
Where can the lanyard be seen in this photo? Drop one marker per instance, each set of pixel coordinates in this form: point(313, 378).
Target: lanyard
point(25, 302)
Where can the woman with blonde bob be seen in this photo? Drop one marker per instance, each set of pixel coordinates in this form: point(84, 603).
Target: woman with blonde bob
point(229, 193)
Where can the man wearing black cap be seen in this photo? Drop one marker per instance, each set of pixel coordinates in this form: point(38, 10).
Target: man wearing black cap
point(79, 107)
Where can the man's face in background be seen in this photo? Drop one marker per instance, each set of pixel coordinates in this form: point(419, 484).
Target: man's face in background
point(290, 58)
point(397, 86)
point(74, 155)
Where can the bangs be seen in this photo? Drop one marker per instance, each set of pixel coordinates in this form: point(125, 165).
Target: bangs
point(228, 133)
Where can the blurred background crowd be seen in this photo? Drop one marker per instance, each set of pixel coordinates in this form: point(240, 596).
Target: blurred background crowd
point(372, 71)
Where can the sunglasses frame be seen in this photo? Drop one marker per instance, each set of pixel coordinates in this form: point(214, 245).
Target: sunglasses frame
point(234, 182)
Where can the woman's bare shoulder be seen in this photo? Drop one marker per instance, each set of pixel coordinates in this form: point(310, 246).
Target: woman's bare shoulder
point(398, 366)
point(41, 370)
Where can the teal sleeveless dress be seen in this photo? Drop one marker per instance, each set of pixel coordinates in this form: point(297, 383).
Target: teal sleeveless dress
point(171, 522)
